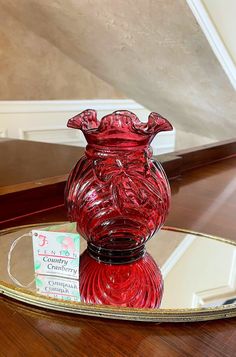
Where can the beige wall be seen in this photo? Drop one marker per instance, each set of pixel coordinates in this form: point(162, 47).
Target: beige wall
point(154, 51)
point(33, 68)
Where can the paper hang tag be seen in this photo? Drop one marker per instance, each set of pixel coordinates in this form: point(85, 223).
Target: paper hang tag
point(56, 253)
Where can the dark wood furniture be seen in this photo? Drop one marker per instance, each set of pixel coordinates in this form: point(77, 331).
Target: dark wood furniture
point(32, 179)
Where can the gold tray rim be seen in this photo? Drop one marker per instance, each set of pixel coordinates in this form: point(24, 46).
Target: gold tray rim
point(114, 312)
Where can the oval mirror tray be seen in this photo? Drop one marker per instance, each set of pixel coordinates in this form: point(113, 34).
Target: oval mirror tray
point(198, 272)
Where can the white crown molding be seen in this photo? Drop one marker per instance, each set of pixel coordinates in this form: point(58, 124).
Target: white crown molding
point(46, 106)
point(215, 41)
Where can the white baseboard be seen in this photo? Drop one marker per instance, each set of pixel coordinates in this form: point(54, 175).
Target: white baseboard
point(57, 106)
point(46, 120)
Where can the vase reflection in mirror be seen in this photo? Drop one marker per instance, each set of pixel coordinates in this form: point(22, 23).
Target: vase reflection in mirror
point(117, 195)
point(138, 284)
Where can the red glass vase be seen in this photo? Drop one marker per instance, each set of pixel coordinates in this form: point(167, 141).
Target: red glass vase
point(138, 284)
point(116, 193)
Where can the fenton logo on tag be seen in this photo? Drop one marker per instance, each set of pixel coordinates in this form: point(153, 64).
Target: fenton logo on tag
point(56, 253)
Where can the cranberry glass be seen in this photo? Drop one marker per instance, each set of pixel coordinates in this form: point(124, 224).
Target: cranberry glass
point(138, 284)
point(116, 193)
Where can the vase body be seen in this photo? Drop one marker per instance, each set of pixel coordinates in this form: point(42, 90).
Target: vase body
point(117, 194)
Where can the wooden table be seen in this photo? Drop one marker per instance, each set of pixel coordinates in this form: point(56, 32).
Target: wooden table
point(204, 199)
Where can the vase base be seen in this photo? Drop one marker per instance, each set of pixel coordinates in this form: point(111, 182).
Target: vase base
point(116, 256)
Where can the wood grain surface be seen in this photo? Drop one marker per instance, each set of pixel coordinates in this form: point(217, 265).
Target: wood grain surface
point(204, 199)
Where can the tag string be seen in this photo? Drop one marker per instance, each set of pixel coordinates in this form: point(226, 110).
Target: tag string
point(9, 261)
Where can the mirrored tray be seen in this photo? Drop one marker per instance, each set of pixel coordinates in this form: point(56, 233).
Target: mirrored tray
point(198, 270)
